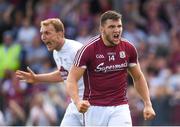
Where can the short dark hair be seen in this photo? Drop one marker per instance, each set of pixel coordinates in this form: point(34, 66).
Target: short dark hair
point(109, 15)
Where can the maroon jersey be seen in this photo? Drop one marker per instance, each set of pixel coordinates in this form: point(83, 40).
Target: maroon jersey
point(105, 77)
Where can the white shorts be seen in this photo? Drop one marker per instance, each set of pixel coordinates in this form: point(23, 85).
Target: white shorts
point(72, 116)
point(98, 116)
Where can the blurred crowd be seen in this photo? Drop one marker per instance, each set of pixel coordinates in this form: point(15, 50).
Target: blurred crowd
point(151, 25)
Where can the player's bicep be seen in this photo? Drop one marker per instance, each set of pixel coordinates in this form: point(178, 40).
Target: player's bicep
point(135, 72)
point(75, 73)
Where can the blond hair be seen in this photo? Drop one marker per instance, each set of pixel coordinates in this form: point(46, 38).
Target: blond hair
point(58, 25)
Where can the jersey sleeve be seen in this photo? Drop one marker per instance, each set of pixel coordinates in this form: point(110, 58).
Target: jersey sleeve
point(133, 55)
point(82, 57)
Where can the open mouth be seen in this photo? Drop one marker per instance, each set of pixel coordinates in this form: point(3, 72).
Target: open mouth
point(116, 36)
point(48, 43)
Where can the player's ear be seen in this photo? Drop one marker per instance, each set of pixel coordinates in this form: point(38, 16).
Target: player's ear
point(60, 34)
point(101, 29)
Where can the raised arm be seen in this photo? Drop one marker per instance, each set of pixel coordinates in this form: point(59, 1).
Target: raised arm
point(31, 77)
point(142, 88)
point(72, 88)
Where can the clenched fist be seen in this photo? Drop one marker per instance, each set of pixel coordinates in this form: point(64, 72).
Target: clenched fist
point(148, 112)
point(82, 106)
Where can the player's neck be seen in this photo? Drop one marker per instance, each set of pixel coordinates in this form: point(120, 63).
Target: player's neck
point(106, 42)
point(61, 43)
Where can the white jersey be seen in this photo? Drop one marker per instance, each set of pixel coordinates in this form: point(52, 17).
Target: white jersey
point(64, 60)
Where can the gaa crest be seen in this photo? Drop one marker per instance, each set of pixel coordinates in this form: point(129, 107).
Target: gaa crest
point(122, 54)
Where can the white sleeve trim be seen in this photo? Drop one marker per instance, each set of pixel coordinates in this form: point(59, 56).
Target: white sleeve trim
point(84, 67)
point(132, 64)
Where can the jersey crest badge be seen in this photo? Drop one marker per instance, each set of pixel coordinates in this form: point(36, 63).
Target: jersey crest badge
point(122, 54)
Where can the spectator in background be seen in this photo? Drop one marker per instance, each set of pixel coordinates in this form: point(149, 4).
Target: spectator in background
point(41, 112)
point(162, 106)
point(36, 54)
point(6, 9)
point(158, 36)
point(134, 34)
point(171, 7)
point(2, 120)
point(26, 33)
point(45, 9)
point(135, 106)
point(10, 54)
point(131, 11)
point(83, 34)
point(14, 93)
point(57, 97)
point(174, 56)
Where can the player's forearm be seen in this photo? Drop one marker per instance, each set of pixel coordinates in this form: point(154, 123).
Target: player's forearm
point(49, 77)
point(142, 89)
point(72, 89)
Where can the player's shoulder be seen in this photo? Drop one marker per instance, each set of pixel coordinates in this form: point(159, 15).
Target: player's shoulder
point(93, 39)
point(127, 43)
point(91, 42)
point(73, 43)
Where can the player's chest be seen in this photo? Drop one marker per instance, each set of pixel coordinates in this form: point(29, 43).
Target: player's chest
point(110, 60)
point(63, 61)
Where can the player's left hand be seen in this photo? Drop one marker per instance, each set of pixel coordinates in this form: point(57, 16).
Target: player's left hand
point(148, 112)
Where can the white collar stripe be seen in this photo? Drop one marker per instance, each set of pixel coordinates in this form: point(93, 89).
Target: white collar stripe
point(79, 55)
point(80, 51)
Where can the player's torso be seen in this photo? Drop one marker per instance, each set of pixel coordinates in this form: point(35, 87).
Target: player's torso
point(64, 60)
point(109, 59)
point(106, 74)
point(109, 65)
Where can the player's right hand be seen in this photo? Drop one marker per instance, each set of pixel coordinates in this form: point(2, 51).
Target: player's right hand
point(148, 112)
point(27, 76)
point(83, 106)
